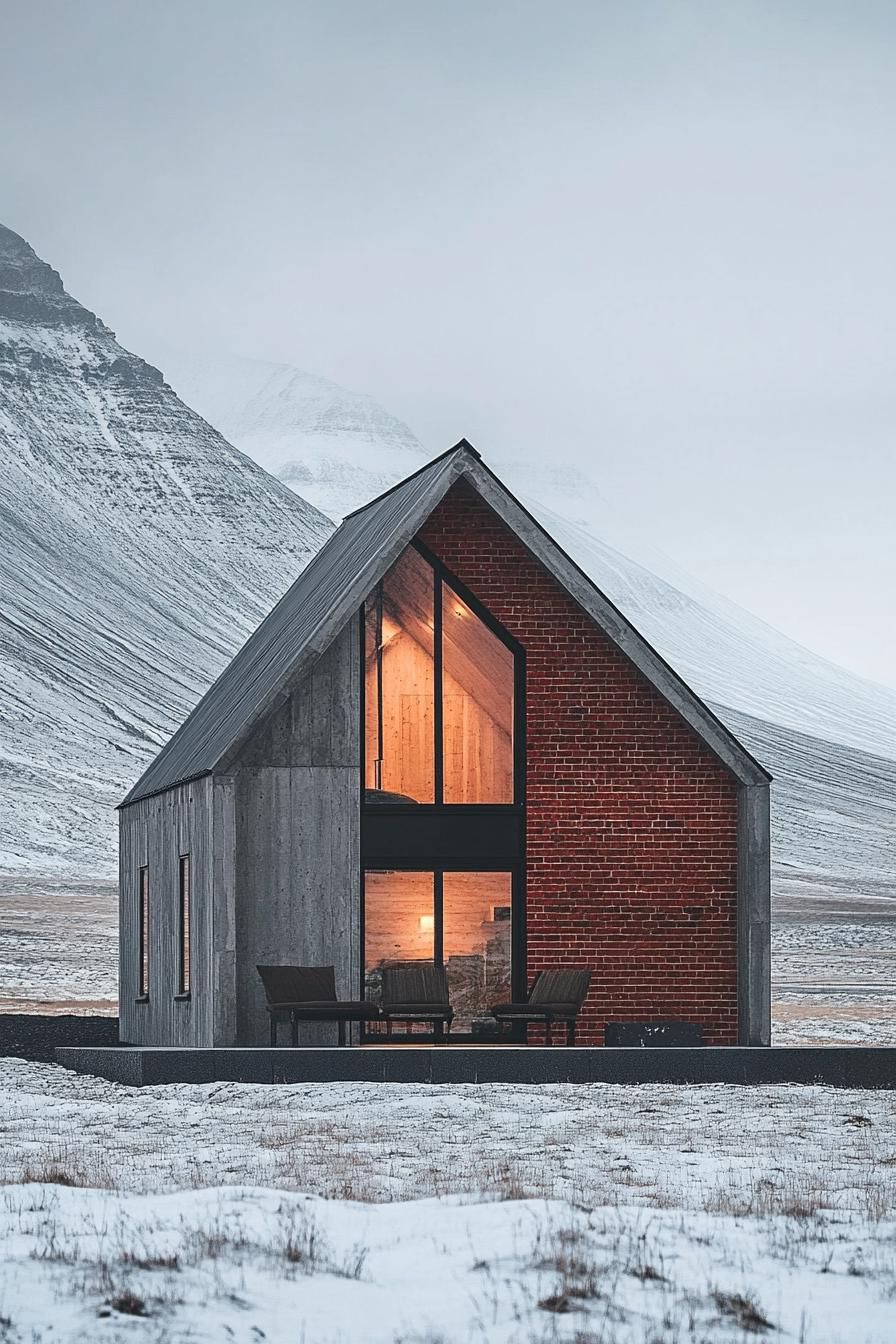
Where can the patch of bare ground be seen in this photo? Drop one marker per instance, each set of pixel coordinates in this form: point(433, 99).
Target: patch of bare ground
point(61, 1007)
point(816, 1020)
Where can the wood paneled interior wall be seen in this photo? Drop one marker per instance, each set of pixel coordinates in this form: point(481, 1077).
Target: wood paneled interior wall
point(478, 759)
point(478, 750)
point(394, 903)
point(408, 719)
point(296, 792)
point(478, 680)
point(469, 903)
point(154, 833)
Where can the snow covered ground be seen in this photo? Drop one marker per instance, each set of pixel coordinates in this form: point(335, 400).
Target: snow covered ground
point(342, 1213)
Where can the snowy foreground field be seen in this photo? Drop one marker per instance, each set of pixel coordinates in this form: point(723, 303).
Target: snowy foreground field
point(350, 1213)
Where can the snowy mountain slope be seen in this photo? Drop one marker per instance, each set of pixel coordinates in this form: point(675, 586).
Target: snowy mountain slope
point(833, 812)
point(138, 549)
point(334, 447)
point(728, 655)
point(828, 735)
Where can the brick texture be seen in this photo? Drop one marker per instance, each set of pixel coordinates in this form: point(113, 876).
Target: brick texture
point(630, 821)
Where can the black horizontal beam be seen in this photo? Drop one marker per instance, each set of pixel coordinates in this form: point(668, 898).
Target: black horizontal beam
point(434, 837)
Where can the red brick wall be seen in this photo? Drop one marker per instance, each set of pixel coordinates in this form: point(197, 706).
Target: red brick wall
point(631, 821)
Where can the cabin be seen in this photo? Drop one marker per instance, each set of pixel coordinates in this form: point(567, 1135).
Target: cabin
point(446, 746)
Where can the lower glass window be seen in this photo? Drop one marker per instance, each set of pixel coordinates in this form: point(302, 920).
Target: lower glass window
point(460, 920)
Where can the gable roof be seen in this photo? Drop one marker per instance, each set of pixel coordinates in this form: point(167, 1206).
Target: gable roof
point(332, 588)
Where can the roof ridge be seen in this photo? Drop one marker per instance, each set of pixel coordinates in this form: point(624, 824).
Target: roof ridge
point(462, 446)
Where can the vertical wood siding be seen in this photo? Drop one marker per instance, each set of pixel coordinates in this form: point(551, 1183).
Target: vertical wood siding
point(296, 788)
point(274, 846)
point(224, 910)
point(154, 833)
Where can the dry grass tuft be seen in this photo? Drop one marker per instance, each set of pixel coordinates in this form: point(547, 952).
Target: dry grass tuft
point(744, 1310)
point(647, 1274)
point(135, 1261)
point(128, 1303)
point(560, 1303)
point(303, 1246)
point(577, 1273)
point(52, 1175)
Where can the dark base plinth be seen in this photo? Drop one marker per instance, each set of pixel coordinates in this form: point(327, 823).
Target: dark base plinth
point(834, 1066)
point(37, 1036)
point(645, 1034)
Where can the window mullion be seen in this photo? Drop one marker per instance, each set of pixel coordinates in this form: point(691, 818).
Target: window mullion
point(438, 940)
point(378, 763)
point(437, 716)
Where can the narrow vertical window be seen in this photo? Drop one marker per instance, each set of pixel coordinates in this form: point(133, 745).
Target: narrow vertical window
point(183, 972)
point(143, 924)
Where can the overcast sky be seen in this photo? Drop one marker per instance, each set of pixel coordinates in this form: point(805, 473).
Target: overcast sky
point(653, 239)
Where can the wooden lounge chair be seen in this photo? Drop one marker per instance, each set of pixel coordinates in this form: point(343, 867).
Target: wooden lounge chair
point(308, 994)
point(555, 996)
point(416, 991)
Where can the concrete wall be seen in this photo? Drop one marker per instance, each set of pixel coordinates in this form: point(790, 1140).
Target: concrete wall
point(296, 800)
point(154, 833)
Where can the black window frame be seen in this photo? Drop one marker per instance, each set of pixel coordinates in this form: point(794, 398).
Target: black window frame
point(442, 837)
point(443, 575)
point(517, 932)
point(184, 926)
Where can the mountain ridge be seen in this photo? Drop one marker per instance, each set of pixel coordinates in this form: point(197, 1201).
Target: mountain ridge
point(313, 434)
point(139, 549)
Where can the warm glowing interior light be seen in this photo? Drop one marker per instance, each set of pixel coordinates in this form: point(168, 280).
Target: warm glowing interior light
point(427, 923)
